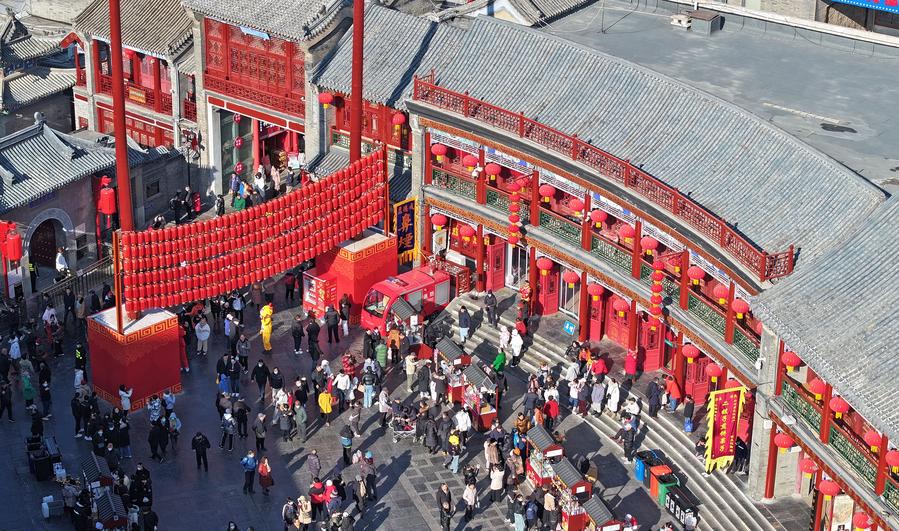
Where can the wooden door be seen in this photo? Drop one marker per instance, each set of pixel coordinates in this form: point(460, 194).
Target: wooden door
point(651, 346)
point(548, 294)
point(496, 265)
point(596, 319)
point(617, 327)
point(43, 244)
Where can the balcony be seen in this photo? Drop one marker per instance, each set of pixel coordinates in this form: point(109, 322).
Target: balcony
point(293, 105)
point(190, 110)
point(561, 227)
point(454, 184)
point(138, 95)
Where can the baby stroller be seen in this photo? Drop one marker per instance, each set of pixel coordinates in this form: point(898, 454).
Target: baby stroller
point(402, 429)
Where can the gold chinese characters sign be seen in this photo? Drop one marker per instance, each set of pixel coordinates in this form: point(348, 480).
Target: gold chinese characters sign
point(404, 228)
point(721, 437)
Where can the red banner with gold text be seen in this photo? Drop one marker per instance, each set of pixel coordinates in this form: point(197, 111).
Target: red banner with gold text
point(721, 437)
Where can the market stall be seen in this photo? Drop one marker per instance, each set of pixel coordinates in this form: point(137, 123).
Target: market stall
point(574, 491)
point(543, 452)
point(452, 353)
point(111, 511)
point(478, 396)
point(455, 386)
point(599, 517)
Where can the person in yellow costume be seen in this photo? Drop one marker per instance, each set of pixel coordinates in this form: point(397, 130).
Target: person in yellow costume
point(265, 318)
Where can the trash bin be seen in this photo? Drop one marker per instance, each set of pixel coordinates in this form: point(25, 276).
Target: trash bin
point(43, 468)
point(665, 483)
point(679, 503)
point(648, 464)
point(53, 449)
point(640, 459)
point(651, 478)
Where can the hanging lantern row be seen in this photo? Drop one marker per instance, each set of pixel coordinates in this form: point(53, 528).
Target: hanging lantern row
point(655, 301)
point(514, 237)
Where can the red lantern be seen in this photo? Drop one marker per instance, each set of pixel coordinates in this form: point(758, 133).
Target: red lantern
point(817, 387)
point(627, 232)
point(439, 221)
point(655, 311)
point(514, 207)
point(721, 292)
point(691, 352)
point(469, 161)
point(513, 186)
point(106, 204)
point(514, 228)
point(732, 384)
point(657, 276)
point(649, 244)
point(546, 191)
point(892, 459)
point(783, 442)
point(492, 169)
point(713, 371)
point(658, 265)
point(808, 467)
point(839, 406)
point(861, 521)
point(872, 439)
point(439, 151)
point(570, 278)
point(828, 488)
point(656, 288)
point(514, 218)
point(576, 206)
point(740, 307)
point(598, 217)
point(326, 99)
point(695, 273)
point(791, 360)
point(13, 244)
point(544, 264)
point(238, 142)
point(398, 119)
point(620, 306)
point(237, 118)
point(656, 299)
point(595, 291)
point(238, 168)
point(466, 231)
point(513, 240)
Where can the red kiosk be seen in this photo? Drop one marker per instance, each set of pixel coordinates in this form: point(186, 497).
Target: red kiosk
point(452, 353)
point(574, 491)
point(544, 451)
point(599, 516)
point(144, 357)
point(477, 383)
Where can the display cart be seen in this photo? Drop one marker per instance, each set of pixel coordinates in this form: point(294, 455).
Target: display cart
point(111, 511)
point(319, 291)
point(477, 385)
point(543, 452)
point(453, 353)
point(95, 474)
point(574, 491)
point(599, 517)
point(455, 386)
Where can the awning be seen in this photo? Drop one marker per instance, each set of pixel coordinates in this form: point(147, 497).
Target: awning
point(597, 510)
point(402, 309)
point(566, 472)
point(450, 349)
point(478, 378)
point(111, 508)
point(93, 469)
point(540, 438)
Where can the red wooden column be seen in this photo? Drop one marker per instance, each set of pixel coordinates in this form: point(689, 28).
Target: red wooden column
point(678, 368)
point(479, 260)
point(586, 226)
point(819, 502)
point(781, 369)
point(584, 310)
point(771, 471)
point(636, 251)
point(535, 199)
point(633, 327)
point(428, 230)
point(730, 319)
point(684, 279)
point(254, 123)
point(123, 177)
point(882, 467)
point(426, 149)
point(481, 183)
point(826, 417)
point(157, 85)
point(532, 275)
point(95, 63)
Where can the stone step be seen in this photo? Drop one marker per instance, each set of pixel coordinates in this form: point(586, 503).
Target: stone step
point(724, 506)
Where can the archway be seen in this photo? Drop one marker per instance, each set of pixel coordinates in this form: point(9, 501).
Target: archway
point(45, 239)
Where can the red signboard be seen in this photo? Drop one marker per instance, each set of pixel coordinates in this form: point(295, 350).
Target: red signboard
point(721, 438)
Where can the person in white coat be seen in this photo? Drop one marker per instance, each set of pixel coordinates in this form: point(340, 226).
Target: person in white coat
point(202, 331)
point(125, 399)
point(614, 393)
point(504, 337)
point(516, 342)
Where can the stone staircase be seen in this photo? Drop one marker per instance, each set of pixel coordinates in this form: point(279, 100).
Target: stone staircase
point(723, 503)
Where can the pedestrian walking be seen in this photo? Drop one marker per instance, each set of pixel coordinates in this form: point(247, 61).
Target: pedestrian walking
point(689, 406)
point(345, 310)
point(314, 464)
point(228, 429)
point(360, 494)
point(199, 444)
point(383, 406)
point(411, 363)
point(346, 442)
point(289, 514)
point(297, 331)
point(125, 399)
point(490, 308)
point(304, 514)
point(516, 343)
point(470, 497)
point(324, 406)
point(496, 483)
point(249, 464)
point(261, 376)
point(265, 475)
point(202, 332)
point(300, 419)
point(259, 430)
point(464, 323)
point(332, 321)
point(446, 516)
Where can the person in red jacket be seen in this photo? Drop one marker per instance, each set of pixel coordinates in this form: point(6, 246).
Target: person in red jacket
point(317, 497)
point(599, 367)
point(674, 394)
point(551, 412)
point(630, 366)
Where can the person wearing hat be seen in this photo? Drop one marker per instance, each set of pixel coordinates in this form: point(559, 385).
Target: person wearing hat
point(367, 467)
point(228, 429)
point(304, 513)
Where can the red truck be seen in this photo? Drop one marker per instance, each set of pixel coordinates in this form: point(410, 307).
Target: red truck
point(418, 293)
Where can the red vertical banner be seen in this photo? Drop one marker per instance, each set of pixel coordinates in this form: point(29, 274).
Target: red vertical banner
point(725, 407)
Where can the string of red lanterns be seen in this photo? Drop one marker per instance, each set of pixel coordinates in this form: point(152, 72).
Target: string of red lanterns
point(655, 307)
point(514, 237)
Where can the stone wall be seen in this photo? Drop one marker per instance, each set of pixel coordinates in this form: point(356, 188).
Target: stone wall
point(842, 15)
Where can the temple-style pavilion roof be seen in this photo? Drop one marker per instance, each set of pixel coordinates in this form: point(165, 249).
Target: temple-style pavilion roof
point(159, 27)
point(295, 20)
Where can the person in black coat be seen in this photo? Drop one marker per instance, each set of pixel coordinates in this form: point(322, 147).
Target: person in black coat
point(297, 331)
point(312, 330)
point(654, 397)
point(200, 444)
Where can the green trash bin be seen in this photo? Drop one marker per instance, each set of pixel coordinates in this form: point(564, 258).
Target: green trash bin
point(666, 482)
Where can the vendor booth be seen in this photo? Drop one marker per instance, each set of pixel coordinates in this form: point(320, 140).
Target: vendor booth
point(455, 386)
point(111, 511)
point(319, 291)
point(599, 517)
point(478, 396)
point(574, 491)
point(452, 354)
point(544, 451)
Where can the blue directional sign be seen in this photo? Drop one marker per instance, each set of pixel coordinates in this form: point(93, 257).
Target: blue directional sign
point(569, 328)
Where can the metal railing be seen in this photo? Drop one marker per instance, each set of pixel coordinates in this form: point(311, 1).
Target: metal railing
point(91, 277)
point(766, 265)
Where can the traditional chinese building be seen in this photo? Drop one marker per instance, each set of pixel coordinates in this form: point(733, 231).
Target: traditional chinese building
point(159, 70)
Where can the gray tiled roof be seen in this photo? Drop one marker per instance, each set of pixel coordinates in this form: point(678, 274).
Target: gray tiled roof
point(535, 11)
point(397, 47)
point(839, 314)
point(160, 27)
point(774, 188)
point(289, 19)
point(34, 84)
point(29, 49)
point(337, 158)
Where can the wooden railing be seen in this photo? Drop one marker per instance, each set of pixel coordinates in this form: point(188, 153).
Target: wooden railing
point(498, 200)
point(143, 96)
point(292, 105)
point(561, 226)
point(190, 110)
point(766, 265)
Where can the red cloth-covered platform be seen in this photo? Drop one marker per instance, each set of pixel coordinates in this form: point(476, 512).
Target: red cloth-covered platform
point(145, 357)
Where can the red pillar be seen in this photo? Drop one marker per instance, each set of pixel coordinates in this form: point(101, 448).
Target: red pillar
point(779, 379)
point(535, 199)
point(882, 467)
point(826, 417)
point(427, 151)
point(730, 318)
point(633, 327)
point(684, 279)
point(479, 260)
point(428, 230)
point(586, 226)
point(771, 472)
point(584, 310)
point(636, 260)
point(157, 85)
point(356, 96)
point(123, 178)
point(254, 123)
point(532, 276)
point(678, 365)
point(819, 503)
point(95, 63)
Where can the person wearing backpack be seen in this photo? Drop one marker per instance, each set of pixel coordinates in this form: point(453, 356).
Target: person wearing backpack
point(289, 513)
point(530, 513)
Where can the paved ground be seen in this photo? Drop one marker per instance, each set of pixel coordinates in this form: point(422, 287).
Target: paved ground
point(802, 86)
point(185, 499)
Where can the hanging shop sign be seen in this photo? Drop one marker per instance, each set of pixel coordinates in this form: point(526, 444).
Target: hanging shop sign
point(404, 215)
point(721, 438)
